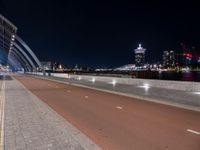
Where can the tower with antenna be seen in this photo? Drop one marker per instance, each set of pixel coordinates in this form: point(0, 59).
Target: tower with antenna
point(140, 56)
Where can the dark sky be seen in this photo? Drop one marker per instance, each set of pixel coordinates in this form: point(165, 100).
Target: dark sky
point(103, 33)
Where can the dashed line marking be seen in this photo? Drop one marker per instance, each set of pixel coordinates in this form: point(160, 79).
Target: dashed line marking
point(192, 131)
point(86, 96)
point(119, 107)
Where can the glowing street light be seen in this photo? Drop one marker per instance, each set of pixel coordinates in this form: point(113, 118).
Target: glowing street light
point(93, 80)
point(145, 86)
point(114, 82)
point(198, 93)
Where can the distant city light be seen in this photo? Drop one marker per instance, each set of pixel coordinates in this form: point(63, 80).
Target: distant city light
point(60, 66)
point(140, 46)
point(187, 55)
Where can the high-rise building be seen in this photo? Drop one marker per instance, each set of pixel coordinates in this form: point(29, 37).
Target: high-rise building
point(140, 56)
point(168, 58)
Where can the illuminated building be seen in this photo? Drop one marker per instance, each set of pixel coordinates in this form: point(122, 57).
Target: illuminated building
point(187, 58)
point(168, 58)
point(46, 65)
point(140, 56)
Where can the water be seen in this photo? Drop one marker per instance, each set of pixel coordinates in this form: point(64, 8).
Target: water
point(181, 76)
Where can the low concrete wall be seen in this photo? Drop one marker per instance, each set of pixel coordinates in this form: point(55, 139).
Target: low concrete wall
point(176, 85)
point(36, 73)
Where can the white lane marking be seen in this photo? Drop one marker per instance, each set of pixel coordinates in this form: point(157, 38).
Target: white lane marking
point(118, 107)
point(68, 91)
point(86, 96)
point(192, 131)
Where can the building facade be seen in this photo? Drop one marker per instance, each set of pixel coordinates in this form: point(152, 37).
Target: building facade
point(168, 58)
point(140, 56)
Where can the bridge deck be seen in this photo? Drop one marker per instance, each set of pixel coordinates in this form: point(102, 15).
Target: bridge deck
point(119, 122)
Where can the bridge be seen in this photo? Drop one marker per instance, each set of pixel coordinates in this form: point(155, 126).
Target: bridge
point(76, 112)
point(17, 52)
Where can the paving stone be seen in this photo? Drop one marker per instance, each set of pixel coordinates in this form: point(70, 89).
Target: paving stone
point(31, 125)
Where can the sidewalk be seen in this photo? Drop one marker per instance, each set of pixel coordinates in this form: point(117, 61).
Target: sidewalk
point(31, 125)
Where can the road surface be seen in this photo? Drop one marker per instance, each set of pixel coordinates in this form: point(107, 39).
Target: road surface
point(119, 122)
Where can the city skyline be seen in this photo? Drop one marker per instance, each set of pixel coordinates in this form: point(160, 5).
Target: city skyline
point(103, 34)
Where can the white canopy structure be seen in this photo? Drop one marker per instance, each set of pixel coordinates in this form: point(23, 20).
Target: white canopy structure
point(16, 49)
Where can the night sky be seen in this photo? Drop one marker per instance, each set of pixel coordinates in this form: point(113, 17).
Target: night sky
point(103, 33)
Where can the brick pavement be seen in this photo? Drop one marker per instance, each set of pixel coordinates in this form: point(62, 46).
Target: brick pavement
point(31, 125)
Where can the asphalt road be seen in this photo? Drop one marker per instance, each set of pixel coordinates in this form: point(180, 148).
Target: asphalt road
point(120, 122)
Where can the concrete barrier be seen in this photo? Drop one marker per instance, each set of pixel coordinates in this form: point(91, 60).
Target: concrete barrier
point(176, 85)
point(166, 84)
point(35, 73)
